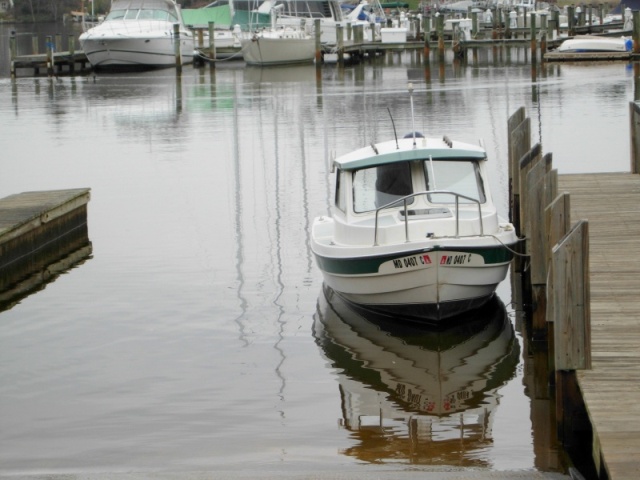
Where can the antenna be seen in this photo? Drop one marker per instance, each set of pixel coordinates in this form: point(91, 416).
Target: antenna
point(394, 129)
point(413, 121)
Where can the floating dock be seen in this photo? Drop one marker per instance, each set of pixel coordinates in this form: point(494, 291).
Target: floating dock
point(41, 234)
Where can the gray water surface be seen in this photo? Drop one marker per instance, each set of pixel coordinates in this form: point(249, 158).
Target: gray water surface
point(186, 341)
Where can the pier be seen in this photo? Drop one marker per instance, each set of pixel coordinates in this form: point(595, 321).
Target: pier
point(580, 285)
point(41, 235)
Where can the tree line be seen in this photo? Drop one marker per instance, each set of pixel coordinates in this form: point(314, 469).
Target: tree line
point(53, 10)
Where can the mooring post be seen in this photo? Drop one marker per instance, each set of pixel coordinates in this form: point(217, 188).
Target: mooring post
point(372, 27)
point(212, 44)
point(50, 57)
point(634, 116)
point(474, 23)
point(176, 46)
point(14, 53)
point(340, 40)
point(427, 33)
point(534, 42)
point(440, 20)
point(34, 45)
point(72, 53)
point(571, 20)
point(318, 33)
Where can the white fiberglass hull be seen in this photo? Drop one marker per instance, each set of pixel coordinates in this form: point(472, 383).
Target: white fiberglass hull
point(430, 280)
point(147, 44)
point(591, 43)
point(265, 50)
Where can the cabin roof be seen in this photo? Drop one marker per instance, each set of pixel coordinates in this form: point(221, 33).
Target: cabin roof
point(403, 151)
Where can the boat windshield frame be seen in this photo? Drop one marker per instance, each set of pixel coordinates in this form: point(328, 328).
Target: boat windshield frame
point(373, 187)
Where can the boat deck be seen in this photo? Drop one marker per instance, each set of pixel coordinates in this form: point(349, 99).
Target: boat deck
point(611, 388)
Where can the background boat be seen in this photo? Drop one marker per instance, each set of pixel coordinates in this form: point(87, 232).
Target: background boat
point(139, 34)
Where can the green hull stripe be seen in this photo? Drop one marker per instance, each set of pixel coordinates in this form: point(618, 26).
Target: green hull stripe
point(371, 265)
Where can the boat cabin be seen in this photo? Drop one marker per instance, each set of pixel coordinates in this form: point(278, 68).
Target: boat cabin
point(433, 179)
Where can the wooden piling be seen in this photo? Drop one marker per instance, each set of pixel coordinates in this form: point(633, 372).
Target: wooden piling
point(212, 43)
point(176, 46)
point(318, 32)
point(340, 43)
point(50, 56)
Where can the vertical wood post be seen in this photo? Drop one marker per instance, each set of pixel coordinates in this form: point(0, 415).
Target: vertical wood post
point(340, 43)
point(558, 223)
point(526, 163)
point(634, 116)
point(13, 49)
point(318, 33)
point(519, 142)
point(212, 43)
point(176, 46)
point(572, 300)
point(534, 41)
point(440, 20)
point(34, 45)
point(534, 206)
point(50, 57)
point(571, 19)
point(72, 53)
point(427, 33)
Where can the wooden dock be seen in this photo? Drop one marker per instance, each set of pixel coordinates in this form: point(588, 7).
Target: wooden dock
point(580, 280)
point(40, 234)
point(611, 388)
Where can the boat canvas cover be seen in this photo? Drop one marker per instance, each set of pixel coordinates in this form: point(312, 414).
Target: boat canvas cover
point(200, 17)
point(168, 5)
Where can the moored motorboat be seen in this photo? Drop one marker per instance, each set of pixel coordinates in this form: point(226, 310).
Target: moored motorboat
point(278, 46)
point(139, 33)
point(413, 230)
point(595, 43)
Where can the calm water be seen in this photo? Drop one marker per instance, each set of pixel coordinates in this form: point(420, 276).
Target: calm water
point(197, 336)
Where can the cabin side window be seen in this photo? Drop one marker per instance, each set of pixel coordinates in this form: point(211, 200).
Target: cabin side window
point(340, 199)
point(458, 176)
point(378, 186)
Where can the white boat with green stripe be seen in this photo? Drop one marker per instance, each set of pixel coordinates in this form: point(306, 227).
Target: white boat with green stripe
point(413, 230)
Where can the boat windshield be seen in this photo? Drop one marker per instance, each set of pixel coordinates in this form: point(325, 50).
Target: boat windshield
point(459, 176)
point(142, 14)
point(378, 186)
point(305, 8)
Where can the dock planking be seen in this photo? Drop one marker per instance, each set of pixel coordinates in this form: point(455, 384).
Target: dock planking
point(610, 389)
point(38, 229)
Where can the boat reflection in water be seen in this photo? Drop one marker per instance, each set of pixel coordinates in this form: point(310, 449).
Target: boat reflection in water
point(414, 394)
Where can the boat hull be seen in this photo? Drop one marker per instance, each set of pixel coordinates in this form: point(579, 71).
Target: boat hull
point(261, 50)
point(586, 44)
point(429, 284)
point(111, 48)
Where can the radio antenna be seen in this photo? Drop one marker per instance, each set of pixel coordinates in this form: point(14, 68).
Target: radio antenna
point(394, 128)
point(413, 120)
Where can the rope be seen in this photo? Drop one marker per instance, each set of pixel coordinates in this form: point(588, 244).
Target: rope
point(519, 254)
